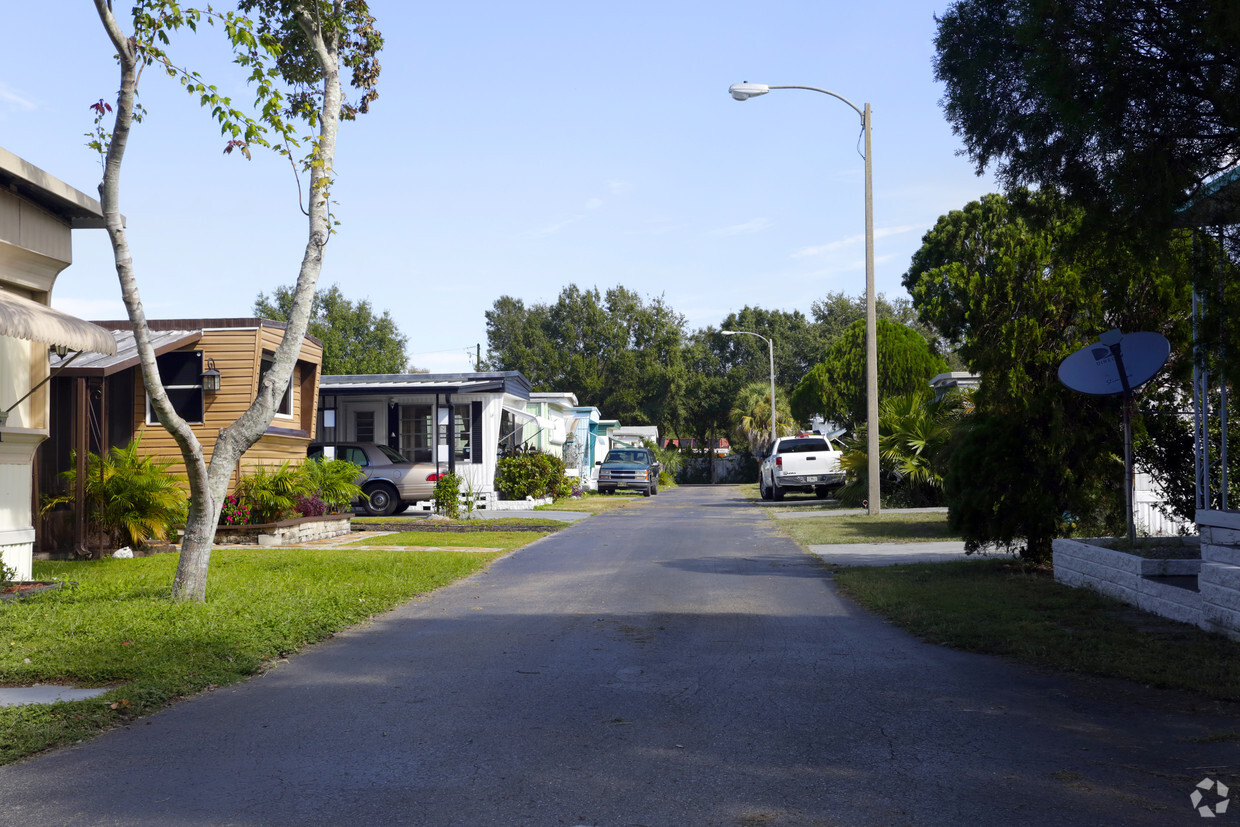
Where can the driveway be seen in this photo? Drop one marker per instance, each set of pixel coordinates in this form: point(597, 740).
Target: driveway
point(677, 662)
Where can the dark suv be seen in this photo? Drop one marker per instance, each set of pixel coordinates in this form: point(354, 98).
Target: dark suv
point(633, 468)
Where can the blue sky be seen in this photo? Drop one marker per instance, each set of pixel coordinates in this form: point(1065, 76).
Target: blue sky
point(518, 148)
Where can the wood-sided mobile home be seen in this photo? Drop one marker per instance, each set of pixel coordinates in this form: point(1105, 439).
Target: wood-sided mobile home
point(100, 402)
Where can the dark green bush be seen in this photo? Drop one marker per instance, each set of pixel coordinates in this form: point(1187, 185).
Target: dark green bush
point(447, 496)
point(532, 474)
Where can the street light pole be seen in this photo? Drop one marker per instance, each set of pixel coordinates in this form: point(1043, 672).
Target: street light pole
point(745, 91)
point(770, 344)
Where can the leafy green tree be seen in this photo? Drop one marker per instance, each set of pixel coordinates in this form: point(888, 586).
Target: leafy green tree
point(838, 311)
point(709, 385)
point(915, 436)
point(355, 340)
point(751, 417)
point(293, 58)
point(798, 344)
point(1010, 280)
point(835, 387)
point(1128, 104)
point(616, 351)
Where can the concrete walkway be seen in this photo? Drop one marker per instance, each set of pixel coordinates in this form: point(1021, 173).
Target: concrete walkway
point(888, 554)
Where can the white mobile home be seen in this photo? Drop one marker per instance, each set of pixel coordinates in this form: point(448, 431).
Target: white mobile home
point(457, 420)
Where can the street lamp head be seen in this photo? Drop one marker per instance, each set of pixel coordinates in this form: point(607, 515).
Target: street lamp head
point(747, 90)
point(728, 332)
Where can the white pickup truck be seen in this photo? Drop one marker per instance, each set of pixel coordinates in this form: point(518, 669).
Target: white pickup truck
point(805, 463)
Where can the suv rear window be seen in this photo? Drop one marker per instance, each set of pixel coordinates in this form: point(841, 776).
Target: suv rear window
point(803, 446)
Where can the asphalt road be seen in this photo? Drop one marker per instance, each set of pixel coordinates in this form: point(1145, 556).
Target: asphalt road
point(674, 663)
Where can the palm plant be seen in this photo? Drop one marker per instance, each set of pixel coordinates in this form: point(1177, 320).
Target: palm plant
point(273, 492)
point(914, 437)
point(334, 481)
point(751, 416)
point(130, 499)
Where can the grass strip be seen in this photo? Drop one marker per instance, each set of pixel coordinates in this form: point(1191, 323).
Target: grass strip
point(592, 503)
point(116, 627)
point(1003, 607)
point(862, 528)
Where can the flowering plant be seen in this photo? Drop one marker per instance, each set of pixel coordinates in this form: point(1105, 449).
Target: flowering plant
point(235, 511)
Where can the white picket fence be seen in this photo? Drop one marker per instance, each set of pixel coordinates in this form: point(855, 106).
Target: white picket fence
point(1149, 518)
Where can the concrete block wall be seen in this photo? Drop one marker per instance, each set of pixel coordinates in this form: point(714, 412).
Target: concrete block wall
point(1219, 580)
point(1122, 576)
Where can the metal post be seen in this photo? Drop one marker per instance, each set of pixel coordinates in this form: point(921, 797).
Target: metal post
point(871, 335)
point(770, 343)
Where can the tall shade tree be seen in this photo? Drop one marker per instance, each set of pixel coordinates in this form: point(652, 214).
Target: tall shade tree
point(614, 350)
point(294, 55)
point(1010, 279)
point(798, 342)
point(355, 340)
point(1128, 104)
point(835, 388)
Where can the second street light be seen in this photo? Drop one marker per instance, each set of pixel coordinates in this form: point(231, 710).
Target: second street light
point(745, 91)
point(770, 344)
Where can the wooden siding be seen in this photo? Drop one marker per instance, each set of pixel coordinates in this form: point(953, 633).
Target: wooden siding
point(238, 353)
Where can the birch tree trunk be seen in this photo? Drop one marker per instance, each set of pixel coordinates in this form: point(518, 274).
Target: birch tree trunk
point(208, 483)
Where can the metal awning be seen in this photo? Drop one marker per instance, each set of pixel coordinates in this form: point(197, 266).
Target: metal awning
point(24, 318)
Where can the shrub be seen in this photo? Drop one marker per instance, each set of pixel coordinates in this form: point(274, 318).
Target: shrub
point(447, 496)
point(530, 473)
point(273, 493)
point(334, 481)
point(130, 499)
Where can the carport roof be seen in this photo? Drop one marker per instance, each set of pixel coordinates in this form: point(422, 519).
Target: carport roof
point(126, 356)
point(1218, 203)
point(509, 382)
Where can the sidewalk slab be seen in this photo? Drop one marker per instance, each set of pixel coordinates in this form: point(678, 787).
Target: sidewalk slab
point(45, 694)
point(844, 512)
point(888, 554)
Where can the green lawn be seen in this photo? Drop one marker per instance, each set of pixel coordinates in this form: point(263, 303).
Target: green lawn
point(1003, 607)
point(115, 626)
point(592, 503)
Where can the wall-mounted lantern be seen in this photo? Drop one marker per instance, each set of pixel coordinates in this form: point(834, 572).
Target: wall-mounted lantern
point(210, 377)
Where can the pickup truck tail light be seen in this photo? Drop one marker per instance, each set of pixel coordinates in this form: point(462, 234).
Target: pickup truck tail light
point(779, 462)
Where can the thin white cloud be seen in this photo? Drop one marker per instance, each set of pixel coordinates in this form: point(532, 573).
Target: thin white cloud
point(552, 229)
point(755, 225)
point(594, 203)
point(616, 187)
point(11, 98)
point(881, 232)
point(90, 308)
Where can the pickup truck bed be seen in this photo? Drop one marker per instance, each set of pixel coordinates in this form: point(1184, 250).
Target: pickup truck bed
point(802, 463)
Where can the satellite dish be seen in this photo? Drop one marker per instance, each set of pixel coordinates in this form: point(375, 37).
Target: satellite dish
point(1093, 368)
